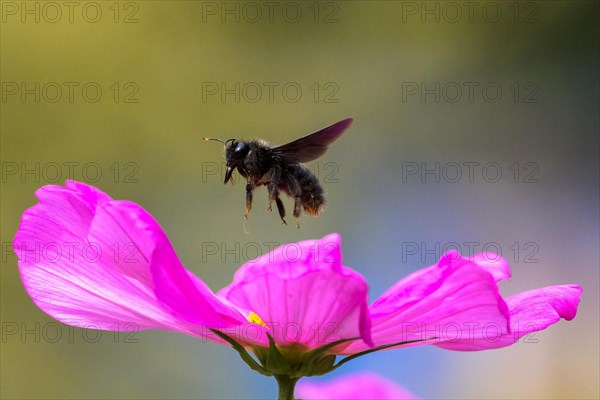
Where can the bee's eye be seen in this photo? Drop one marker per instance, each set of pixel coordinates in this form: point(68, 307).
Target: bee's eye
point(240, 147)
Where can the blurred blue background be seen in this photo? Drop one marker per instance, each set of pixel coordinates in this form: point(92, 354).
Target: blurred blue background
point(119, 95)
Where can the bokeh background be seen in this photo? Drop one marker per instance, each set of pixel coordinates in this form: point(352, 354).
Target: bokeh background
point(170, 72)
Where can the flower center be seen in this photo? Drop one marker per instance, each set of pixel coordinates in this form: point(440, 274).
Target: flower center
point(254, 318)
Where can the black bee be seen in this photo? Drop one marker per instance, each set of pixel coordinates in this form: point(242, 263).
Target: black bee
point(279, 168)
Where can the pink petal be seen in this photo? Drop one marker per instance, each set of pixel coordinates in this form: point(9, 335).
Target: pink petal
point(93, 262)
point(494, 264)
point(450, 301)
point(357, 386)
point(303, 293)
point(530, 311)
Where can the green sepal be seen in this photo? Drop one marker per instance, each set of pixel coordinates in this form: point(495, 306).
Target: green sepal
point(243, 353)
point(312, 358)
point(275, 362)
point(324, 365)
point(362, 353)
point(314, 362)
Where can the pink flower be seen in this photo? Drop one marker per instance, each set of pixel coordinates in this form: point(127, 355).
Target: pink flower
point(91, 261)
point(356, 386)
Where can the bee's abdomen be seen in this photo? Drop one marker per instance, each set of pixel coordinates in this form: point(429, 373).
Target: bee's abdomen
point(311, 192)
point(314, 202)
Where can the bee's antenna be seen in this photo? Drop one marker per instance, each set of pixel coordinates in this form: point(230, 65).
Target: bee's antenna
point(219, 140)
point(215, 139)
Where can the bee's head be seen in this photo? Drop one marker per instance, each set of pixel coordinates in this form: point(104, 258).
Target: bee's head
point(236, 151)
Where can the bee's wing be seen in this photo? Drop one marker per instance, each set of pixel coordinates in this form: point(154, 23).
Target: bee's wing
point(312, 146)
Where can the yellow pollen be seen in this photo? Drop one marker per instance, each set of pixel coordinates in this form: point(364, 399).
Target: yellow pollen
point(254, 318)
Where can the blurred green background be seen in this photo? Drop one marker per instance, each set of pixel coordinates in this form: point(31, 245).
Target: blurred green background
point(170, 72)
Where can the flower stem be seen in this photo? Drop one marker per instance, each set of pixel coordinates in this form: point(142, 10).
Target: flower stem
point(286, 387)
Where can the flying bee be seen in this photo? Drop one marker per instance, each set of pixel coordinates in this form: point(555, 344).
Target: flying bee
point(280, 168)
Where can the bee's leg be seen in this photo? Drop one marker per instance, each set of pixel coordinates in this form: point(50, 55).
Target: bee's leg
point(249, 189)
point(274, 196)
point(281, 209)
point(295, 191)
point(297, 210)
point(272, 190)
